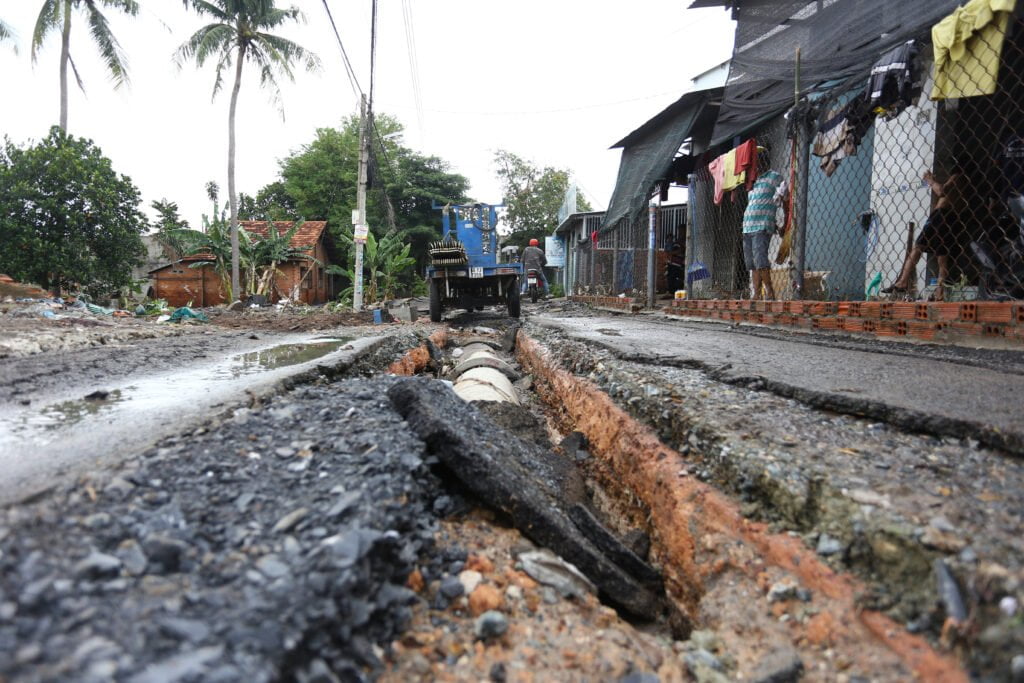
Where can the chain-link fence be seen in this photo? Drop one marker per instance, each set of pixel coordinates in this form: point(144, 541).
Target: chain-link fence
point(619, 261)
point(905, 185)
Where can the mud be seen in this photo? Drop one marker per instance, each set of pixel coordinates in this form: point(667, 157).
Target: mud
point(24, 332)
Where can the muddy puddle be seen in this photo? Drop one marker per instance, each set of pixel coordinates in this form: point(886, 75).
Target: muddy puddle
point(283, 355)
point(107, 420)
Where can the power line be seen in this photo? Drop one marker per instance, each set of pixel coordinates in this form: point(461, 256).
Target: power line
point(414, 68)
point(353, 81)
point(373, 51)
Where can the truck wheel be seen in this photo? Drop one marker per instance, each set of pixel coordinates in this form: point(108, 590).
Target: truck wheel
point(512, 298)
point(435, 301)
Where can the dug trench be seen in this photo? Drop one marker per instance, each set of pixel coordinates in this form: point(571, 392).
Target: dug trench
point(717, 565)
point(364, 525)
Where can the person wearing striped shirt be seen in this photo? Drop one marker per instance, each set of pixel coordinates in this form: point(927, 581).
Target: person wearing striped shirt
point(758, 228)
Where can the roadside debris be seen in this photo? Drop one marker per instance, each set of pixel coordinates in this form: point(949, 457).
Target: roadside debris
point(526, 482)
point(186, 314)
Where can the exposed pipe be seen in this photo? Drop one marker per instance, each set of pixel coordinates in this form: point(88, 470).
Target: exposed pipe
point(482, 376)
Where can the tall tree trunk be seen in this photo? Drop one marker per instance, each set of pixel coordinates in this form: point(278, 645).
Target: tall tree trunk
point(65, 57)
point(236, 291)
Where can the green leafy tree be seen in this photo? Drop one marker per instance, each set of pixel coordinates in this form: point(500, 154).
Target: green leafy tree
point(321, 180)
point(55, 15)
point(66, 217)
point(239, 33)
point(533, 196)
point(271, 203)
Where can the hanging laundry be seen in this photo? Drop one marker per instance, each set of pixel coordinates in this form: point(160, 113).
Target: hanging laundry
point(840, 133)
point(717, 169)
point(831, 141)
point(968, 44)
point(746, 161)
point(732, 177)
point(895, 81)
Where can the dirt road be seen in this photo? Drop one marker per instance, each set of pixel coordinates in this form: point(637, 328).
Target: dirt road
point(927, 525)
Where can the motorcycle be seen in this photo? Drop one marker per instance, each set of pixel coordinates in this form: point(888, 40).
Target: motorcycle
point(532, 284)
point(1002, 260)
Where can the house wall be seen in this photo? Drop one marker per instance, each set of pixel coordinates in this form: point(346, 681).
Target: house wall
point(304, 280)
point(181, 285)
point(835, 239)
point(903, 149)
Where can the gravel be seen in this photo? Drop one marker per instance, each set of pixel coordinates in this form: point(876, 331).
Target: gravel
point(871, 498)
point(221, 562)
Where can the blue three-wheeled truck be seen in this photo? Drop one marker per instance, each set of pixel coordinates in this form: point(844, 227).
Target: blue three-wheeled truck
point(464, 270)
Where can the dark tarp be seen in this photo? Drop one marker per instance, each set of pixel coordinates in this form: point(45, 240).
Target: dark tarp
point(838, 40)
point(648, 153)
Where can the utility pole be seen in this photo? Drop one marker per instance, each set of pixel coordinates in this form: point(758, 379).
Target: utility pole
point(360, 229)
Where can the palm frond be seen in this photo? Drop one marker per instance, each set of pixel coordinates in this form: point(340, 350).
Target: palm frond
point(129, 7)
point(287, 52)
point(203, 7)
point(110, 49)
point(276, 16)
point(78, 76)
point(210, 39)
point(49, 19)
point(7, 33)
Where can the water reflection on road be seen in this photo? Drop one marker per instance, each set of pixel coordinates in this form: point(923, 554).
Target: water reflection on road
point(37, 438)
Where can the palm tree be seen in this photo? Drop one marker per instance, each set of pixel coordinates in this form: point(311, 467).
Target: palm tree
point(7, 33)
point(56, 15)
point(238, 34)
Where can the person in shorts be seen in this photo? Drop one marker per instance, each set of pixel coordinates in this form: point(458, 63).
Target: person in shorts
point(941, 234)
point(758, 228)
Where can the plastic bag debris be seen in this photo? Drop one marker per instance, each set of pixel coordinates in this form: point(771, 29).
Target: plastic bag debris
point(99, 310)
point(186, 313)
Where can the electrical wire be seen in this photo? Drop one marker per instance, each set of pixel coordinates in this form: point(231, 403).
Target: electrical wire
point(373, 51)
point(414, 67)
point(353, 81)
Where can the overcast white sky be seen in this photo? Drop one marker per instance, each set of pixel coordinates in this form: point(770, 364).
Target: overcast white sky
point(555, 81)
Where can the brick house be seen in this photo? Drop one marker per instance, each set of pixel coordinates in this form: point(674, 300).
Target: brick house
point(299, 279)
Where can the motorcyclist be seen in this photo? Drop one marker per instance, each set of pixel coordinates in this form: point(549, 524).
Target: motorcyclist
point(534, 259)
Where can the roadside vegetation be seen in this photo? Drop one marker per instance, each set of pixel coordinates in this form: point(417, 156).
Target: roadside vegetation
point(84, 249)
point(67, 219)
point(533, 196)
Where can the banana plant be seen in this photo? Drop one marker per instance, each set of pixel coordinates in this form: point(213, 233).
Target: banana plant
point(270, 251)
point(384, 261)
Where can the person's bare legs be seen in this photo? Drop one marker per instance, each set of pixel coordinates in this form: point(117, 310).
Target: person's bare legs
point(755, 283)
point(765, 275)
point(903, 281)
point(940, 290)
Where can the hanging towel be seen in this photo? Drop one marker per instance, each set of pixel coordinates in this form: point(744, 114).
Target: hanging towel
point(968, 44)
point(717, 169)
point(746, 161)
